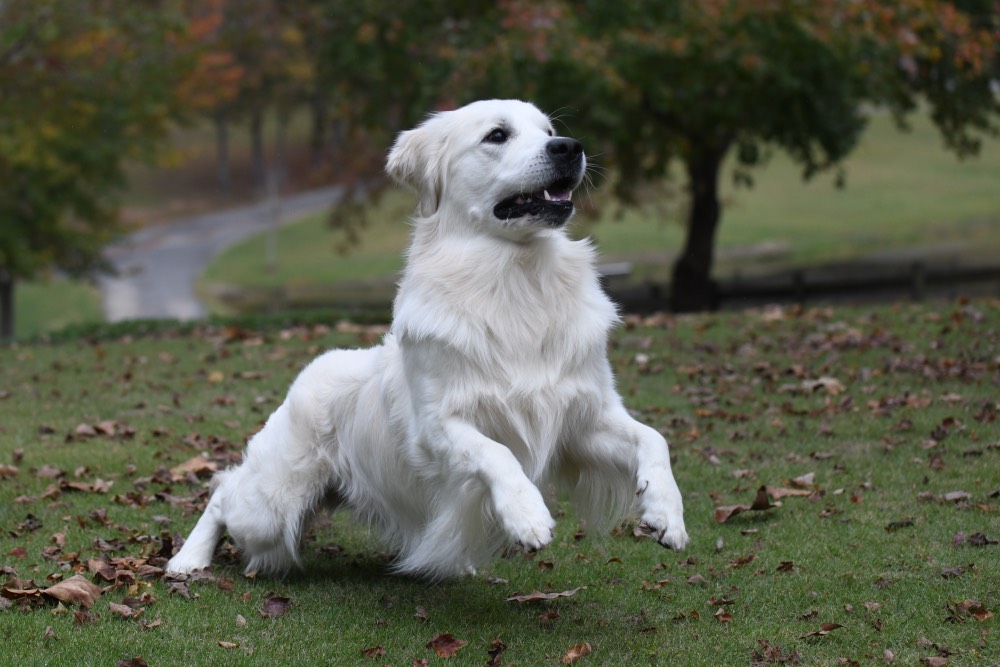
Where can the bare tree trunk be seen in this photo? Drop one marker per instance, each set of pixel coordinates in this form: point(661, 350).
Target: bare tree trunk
point(257, 150)
point(280, 148)
point(6, 306)
point(222, 154)
point(692, 288)
point(318, 136)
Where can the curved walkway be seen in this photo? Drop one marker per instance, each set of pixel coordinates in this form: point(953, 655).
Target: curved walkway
point(157, 267)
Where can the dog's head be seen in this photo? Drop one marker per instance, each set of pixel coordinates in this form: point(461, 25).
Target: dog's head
point(495, 162)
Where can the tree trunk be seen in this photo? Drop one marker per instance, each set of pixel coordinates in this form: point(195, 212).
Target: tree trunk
point(222, 154)
point(257, 151)
point(6, 307)
point(692, 288)
point(280, 146)
point(318, 132)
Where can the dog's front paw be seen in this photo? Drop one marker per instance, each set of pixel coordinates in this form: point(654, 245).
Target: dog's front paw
point(181, 564)
point(672, 536)
point(525, 519)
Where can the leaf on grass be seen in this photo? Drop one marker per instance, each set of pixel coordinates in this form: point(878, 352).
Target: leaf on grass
point(581, 650)
point(769, 653)
point(445, 645)
point(959, 612)
point(934, 661)
point(75, 590)
point(536, 596)
point(199, 466)
point(980, 540)
point(137, 661)
point(760, 503)
point(723, 616)
point(125, 611)
point(8, 472)
point(779, 492)
point(227, 645)
point(497, 647)
point(803, 481)
point(824, 630)
point(373, 652)
point(274, 607)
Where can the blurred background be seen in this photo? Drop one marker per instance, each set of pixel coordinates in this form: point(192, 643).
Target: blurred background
point(182, 159)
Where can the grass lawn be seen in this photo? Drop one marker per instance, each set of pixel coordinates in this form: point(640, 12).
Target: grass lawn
point(45, 306)
point(886, 417)
point(902, 190)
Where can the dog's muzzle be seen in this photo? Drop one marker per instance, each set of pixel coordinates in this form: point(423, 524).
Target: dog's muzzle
point(551, 204)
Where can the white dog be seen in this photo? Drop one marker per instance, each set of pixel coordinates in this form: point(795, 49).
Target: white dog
point(493, 379)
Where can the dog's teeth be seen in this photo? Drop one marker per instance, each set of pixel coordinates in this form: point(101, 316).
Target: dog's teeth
point(547, 196)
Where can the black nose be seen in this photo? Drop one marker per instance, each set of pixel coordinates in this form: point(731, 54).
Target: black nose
point(563, 149)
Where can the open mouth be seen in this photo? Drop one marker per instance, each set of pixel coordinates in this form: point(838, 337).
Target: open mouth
point(551, 204)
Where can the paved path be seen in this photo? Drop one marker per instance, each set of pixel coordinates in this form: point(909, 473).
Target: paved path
point(159, 265)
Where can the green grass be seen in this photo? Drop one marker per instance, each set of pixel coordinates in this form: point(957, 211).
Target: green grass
point(726, 389)
point(45, 306)
point(903, 190)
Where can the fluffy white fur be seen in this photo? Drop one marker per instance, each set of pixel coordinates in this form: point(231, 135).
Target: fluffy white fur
point(492, 381)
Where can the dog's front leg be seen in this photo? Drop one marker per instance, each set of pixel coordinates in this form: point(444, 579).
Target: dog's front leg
point(196, 553)
point(463, 453)
point(623, 441)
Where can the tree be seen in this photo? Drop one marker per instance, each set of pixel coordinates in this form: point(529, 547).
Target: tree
point(84, 84)
point(696, 81)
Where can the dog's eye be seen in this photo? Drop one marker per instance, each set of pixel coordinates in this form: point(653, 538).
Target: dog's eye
point(496, 136)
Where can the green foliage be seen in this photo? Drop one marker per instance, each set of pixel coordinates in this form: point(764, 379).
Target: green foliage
point(85, 85)
point(882, 547)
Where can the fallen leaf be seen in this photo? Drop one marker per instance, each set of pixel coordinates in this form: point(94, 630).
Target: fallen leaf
point(779, 492)
point(445, 645)
point(75, 590)
point(760, 503)
point(227, 645)
point(274, 607)
point(496, 653)
point(373, 652)
point(137, 661)
point(723, 616)
point(934, 661)
point(536, 596)
point(579, 651)
point(198, 466)
point(980, 540)
point(824, 630)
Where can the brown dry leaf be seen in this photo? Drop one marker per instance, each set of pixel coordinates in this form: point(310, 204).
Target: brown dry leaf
point(198, 466)
point(579, 651)
point(496, 653)
point(803, 481)
point(824, 630)
point(536, 596)
point(934, 661)
point(227, 645)
point(125, 611)
point(75, 590)
point(760, 503)
point(445, 645)
point(8, 472)
point(779, 492)
point(373, 652)
point(723, 616)
point(274, 607)
point(421, 614)
point(137, 661)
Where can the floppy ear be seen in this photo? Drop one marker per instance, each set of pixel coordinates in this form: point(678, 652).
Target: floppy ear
point(415, 160)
